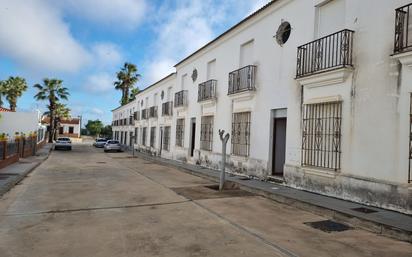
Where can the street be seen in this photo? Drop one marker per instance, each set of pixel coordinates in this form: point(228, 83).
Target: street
point(88, 203)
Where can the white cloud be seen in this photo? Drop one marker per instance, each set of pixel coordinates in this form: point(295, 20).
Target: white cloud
point(106, 55)
point(119, 14)
point(33, 34)
point(99, 83)
point(184, 28)
point(96, 111)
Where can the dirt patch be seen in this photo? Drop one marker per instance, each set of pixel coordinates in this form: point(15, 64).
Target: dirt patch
point(210, 192)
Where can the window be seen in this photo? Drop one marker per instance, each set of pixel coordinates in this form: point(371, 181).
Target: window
point(241, 133)
point(283, 33)
point(211, 70)
point(206, 133)
point(135, 135)
point(330, 17)
point(166, 138)
point(144, 135)
point(180, 130)
point(246, 54)
point(321, 135)
point(71, 130)
point(152, 136)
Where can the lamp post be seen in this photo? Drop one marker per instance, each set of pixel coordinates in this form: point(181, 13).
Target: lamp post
point(224, 140)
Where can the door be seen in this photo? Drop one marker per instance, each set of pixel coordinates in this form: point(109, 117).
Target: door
point(279, 146)
point(193, 136)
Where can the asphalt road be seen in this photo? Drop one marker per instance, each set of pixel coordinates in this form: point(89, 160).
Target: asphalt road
point(88, 203)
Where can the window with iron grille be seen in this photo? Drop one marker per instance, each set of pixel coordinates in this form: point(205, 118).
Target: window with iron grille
point(321, 135)
point(410, 140)
point(206, 133)
point(166, 138)
point(144, 135)
point(152, 136)
point(241, 133)
point(136, 130)
point(180, 131)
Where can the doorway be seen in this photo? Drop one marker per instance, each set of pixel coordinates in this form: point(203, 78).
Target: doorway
point(192, 136)
point(278, 146)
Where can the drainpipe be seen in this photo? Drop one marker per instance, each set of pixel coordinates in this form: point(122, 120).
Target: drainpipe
point(224, 140)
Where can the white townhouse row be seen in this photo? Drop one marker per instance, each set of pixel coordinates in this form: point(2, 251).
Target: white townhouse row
point(314, 93)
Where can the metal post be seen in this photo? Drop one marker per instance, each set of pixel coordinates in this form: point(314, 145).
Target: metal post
point(224, 142)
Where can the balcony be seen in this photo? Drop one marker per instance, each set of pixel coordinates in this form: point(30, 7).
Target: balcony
point(181, 98)
point(145, 115)
point(207, 90)
point(324, 54)
point(402, 42)
point(242, 80)
point(153, 112)
point(167, 108)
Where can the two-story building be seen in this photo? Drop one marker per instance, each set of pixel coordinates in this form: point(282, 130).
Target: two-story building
point(315, 94)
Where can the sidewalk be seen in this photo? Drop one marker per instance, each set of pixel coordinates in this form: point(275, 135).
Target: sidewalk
point(377, 220)
point(14, 173)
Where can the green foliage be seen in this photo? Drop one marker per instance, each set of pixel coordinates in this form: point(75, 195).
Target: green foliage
point(12, 89)
point(126, 78)
point(53, 91)
point(133, 93)
point(106, 131)
point(94, 127)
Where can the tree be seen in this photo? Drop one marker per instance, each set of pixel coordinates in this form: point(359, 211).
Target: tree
point(133, 93)
point(2, 91)
point(61, 112)
point(126, 78)
point(51, 90)
point(13, 88)
point(107, 131)
point(94, 127)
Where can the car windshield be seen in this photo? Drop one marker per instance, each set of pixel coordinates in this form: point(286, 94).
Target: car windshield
point(101, 140)
point(63, 139)
point(113, 142)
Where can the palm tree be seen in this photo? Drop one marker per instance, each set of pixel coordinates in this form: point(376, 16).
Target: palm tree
point(61, 112)
point(13, 88)
point(126, 78)
point(52, 90)
point(2, 91)
point(133, 93)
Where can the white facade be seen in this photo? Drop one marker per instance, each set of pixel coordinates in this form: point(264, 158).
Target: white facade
point(341, 117)
point(21, 122)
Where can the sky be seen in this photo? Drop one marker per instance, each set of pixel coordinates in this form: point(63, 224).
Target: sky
point(85, 42)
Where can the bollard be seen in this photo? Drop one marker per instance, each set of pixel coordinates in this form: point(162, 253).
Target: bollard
point(224, 142)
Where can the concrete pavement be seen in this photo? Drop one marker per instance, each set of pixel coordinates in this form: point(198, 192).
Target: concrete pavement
point(88, 203)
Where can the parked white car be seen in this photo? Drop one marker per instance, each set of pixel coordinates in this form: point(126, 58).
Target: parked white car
point(100, 142)
point(63, 143)
point(112, 145)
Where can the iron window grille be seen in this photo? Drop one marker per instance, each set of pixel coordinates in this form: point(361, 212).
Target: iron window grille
point(167, 108)
point(153, 112)
point(207, 90)
point(243, 79)
point(241, 133)
point(136, 130)
point(327, 53)
point(180, 131)
point(321, 135)
point(410, 141)
point(136, 115)
point(145, 114)
point(181, 98)
point(166, 138)
point(206, 133)
point(152, 136)
point(402, 27)
point(144, 135)
point(131, 120)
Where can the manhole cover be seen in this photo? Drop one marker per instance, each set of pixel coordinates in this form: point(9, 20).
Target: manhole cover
point(364, 210)
point(328, 226)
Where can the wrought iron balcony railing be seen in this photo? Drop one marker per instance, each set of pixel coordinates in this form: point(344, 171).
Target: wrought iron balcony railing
point(181, 98)
point(153, 112)
point(207, 90)
point(324, 54)
point(145, 114)
point(242, 80)
point(402, 41)
point(167, 108)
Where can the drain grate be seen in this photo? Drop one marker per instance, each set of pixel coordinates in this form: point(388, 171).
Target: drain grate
point(364, 210)
point(328, 226)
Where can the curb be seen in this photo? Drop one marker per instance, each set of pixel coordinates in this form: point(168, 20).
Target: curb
point(22, 176)
point(357, 222)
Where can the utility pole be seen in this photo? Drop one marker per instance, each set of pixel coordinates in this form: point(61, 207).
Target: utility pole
point(224, 140)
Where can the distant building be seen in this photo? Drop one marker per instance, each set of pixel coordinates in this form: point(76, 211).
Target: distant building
point(68, 127)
